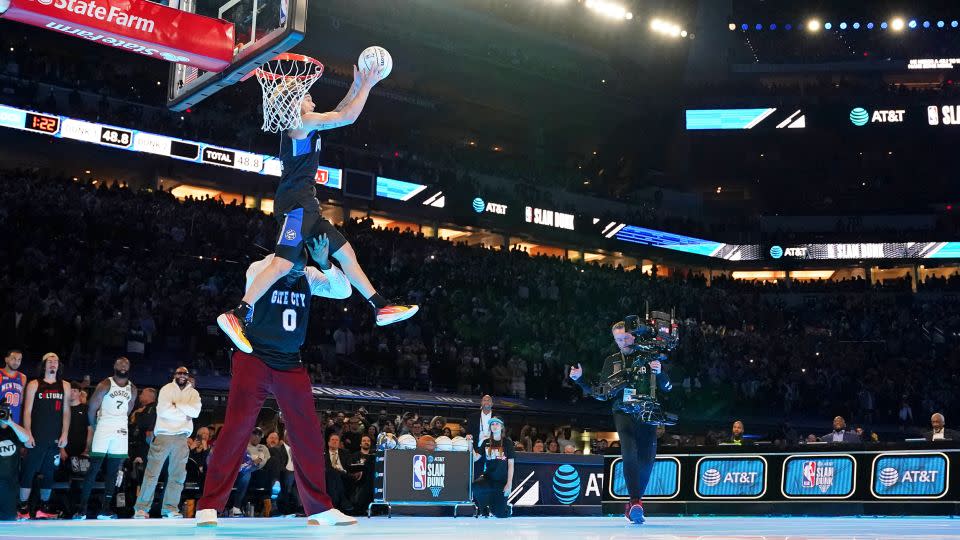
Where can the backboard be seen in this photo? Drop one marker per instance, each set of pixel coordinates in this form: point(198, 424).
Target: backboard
point(262, 30)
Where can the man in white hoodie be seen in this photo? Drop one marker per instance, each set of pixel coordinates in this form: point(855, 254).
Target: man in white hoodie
point(177, 405)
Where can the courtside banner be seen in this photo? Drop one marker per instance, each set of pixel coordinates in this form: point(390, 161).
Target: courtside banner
point(135, 26)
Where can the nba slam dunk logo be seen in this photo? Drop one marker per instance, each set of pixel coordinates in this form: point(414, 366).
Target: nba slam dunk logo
point(429, 472)
point(818, 475)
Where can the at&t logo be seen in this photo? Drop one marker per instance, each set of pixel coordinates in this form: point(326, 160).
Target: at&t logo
point(480, 206)
point(566, 484)
point(889, 476)
point(860, 117)
point(711, 477)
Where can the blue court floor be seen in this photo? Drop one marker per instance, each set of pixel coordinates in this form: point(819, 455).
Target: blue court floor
point(519, 528)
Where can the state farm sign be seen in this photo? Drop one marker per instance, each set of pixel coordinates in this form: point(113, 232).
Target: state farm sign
point(137, 26)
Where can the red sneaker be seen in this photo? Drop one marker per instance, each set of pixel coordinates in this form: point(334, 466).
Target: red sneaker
point(233, 327)
point(634, 511)
point(23, 513)
point(44, 512)
point(395, 313)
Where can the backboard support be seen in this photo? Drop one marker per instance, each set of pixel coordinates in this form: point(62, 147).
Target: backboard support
point(262, 30)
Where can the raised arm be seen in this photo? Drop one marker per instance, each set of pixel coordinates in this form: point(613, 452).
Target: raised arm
point(348, 111)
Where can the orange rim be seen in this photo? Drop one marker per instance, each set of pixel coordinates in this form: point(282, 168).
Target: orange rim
point(290, 57)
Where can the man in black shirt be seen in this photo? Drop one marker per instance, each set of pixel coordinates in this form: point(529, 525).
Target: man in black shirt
point(494, 486)
point(12, 439)
point(277, 331)
point(638, 437)
point(79, 436)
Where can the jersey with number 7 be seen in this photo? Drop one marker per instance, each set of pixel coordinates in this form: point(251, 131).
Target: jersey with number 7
point(280, 317)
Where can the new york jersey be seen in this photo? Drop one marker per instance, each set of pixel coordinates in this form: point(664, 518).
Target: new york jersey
point(279, 325)
point(300, 158)
point(11, 392)
point(115, 404)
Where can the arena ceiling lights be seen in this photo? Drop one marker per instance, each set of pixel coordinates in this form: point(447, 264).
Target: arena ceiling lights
point(814, 25)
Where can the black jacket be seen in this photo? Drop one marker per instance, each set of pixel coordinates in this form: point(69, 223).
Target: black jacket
point(344, 461)
point(614, 363)
point(951, 434)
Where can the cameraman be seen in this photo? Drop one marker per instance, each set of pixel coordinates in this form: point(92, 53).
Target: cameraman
point(12, 438)
point(638, 440)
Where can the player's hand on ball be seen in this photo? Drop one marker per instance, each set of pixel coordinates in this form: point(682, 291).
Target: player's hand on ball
point(656, 366)
point(576, 372)
point(370, 77)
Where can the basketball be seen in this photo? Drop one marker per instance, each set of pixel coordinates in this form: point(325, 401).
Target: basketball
point(460, 444)
point(406, 442)
point(376, 56)
point(386, 441)
point(444, 443)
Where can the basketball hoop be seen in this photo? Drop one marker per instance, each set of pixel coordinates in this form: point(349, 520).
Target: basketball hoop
point(285, 81)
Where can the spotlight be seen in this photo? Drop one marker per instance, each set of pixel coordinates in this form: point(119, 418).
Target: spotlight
point(683, 33)
point(745, 27)
point(856, 26)
point(758, 27)
point(827, 26)
point(628, 16)
point(773, 26)
point(656, 24)
point(788, 27)
point(843, 26)
point(926, 24)
point(954, 24)
point(897, 24)
point(732, 27)
point(883, 25)
point(869, 26)
point(813, 25)
point(940, 24)
point(912, 24)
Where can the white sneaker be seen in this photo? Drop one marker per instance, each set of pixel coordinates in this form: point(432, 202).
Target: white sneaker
point(235, 512)
point(207, 518)
point(332, 517)
point(173, 515)
point(141, 514)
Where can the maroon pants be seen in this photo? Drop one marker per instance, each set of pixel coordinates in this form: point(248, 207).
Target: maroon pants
point(252, 381)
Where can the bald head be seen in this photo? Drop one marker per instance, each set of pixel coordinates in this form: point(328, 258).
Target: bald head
point(937, 421)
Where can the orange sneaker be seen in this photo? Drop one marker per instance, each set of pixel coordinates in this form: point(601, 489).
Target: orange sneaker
point(395, 313)
point(233, 326)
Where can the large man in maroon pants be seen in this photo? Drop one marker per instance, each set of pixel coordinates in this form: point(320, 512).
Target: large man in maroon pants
point(277, 332)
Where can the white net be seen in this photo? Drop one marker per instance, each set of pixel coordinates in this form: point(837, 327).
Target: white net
point(285, 81)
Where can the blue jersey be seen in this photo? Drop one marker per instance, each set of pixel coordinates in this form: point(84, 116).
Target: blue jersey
point(300, 158)
point(11, 392)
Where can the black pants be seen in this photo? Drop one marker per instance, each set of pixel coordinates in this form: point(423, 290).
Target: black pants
point(109, 481)
point(40, 459)
point(638, 445)
point(489, 494)
point(8, 499)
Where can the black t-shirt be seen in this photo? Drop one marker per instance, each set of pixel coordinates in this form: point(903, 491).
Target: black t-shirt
point(496, 459)
point(10, 447)
point(279, 325)
point(77, 436)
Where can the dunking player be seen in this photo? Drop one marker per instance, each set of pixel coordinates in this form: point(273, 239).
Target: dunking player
point(638, 440)
point(298, 213)
point(277, 332)
point(108, 410)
